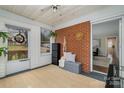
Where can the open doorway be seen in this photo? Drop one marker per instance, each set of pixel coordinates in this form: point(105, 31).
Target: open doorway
point(112, 49)
point(105, 43)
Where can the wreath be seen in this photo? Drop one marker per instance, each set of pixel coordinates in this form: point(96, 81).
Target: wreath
point(19, 38)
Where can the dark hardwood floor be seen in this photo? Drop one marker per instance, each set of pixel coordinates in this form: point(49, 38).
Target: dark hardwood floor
point(100, 68)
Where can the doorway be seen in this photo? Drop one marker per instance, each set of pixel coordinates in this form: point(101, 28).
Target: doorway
point(112, 49)
point(105, 45)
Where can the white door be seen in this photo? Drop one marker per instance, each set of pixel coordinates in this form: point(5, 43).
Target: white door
point(18, 51)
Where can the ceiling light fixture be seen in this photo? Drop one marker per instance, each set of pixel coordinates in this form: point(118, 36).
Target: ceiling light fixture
point(55, 7)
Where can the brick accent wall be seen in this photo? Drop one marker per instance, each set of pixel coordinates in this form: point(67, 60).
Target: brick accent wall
point(78, 42)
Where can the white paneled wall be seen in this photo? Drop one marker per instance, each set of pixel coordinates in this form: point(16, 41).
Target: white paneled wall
point(36, 59)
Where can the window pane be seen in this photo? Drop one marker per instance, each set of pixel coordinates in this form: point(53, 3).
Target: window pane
point(45, 41)
point(17, 44)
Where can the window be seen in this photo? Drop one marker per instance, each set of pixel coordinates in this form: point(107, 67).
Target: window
point(17, 43)
point(45, 40)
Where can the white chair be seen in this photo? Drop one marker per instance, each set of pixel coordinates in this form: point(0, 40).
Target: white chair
point(61, 63)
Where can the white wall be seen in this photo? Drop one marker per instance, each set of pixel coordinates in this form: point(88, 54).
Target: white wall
point(36, 58)
point(109, 12)
point(17, 18)
point(104, 29)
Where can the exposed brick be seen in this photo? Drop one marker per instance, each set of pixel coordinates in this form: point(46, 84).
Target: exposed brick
point(80, 47)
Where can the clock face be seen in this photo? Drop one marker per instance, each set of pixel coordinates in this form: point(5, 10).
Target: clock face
point(79, 35)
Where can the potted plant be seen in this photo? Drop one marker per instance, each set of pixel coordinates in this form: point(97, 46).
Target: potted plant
point(4, 36)
point(53, 36)
point(3, 51)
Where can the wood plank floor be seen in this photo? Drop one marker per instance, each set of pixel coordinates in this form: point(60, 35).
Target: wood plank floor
point(50, 77)
point(100, 68)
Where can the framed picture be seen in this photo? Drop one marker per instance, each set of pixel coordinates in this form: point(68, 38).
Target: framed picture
point(45, 40)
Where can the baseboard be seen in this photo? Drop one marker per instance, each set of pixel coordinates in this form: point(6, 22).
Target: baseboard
point(23, 71)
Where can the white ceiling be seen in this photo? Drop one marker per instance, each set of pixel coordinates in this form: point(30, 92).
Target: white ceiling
point(110, 28)
point(64, 13)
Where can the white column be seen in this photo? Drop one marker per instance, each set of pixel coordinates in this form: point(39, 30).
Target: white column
point(121, 49)
point(91, 48)
point(122, 45)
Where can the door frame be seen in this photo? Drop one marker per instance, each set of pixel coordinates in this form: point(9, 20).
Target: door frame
point(15, 66)
point(91, 38)
point(117, 42)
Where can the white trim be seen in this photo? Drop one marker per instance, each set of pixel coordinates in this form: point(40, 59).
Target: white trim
point(29, 48)
point(106, 19)
point(91, 49)
point(97, 22)
point(120, 45)
point(44, 54)
point(99, 72)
